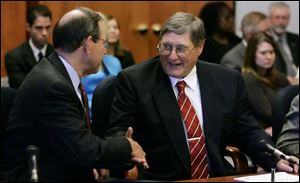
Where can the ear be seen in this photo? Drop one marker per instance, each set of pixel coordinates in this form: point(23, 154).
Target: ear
point(200, 47)
point(87, 44)
point(28, 27)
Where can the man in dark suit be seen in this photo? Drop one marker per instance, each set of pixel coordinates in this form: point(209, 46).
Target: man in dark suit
point(23, 58)
point(49, 112)
point(146, 99)
point(288, 43)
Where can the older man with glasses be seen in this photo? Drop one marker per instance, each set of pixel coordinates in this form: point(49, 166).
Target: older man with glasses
point(184, 111)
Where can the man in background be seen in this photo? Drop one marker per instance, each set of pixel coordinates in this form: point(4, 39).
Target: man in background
point(251, 23)
point(22, 59)
point(288, 43)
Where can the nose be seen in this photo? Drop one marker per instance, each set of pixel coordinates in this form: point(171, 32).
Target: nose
point(173, 55)
point(45, 32)
point(269, 56)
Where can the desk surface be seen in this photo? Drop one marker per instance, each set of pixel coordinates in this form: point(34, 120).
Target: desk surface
point(216, 179)
point(224, 179)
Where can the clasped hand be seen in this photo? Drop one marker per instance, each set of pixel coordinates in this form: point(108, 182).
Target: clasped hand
point(137, 153)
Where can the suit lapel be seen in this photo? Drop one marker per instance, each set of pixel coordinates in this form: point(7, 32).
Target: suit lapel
point(167, 105)
point(293, 47)
point(57, 63)
point(29, 57)
point(212, 102)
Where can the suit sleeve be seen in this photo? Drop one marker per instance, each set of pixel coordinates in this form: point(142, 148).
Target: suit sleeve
point(249, 131)
point(288, 140)
point(123, 108)
point(14, 71)
point(64, 127)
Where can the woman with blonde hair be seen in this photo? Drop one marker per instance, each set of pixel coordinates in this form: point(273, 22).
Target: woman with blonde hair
point(124, 55)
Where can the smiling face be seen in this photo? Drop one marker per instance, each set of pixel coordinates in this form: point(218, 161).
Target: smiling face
point(265, 56)
point(181, 63)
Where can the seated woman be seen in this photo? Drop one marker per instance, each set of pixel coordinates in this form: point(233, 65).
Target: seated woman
point(125, 56)
point(110, 66)
point(261, 78)
point(219, 28)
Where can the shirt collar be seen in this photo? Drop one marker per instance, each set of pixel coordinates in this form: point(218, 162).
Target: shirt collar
point(36, 51)
point(244, 42)
point(276, 36)
point(191, 79)
point(72, 73)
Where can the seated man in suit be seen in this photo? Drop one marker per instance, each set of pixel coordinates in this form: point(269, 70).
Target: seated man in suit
point(288, 140)
point(184, 111)
point(22, 59)
point(288, 43)
point(49, 112)
point(251, 23)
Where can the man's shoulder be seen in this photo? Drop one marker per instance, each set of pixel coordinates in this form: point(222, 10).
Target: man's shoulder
point(217, 71)
point(292, 36)
point(23, 47)
point(236, 51)
point(149, 64)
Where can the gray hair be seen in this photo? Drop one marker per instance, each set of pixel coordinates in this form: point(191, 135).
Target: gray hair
point(278, 4)
point(251, 20)
point(181, 22)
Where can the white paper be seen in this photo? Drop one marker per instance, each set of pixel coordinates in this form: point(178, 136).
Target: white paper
point(279, 177)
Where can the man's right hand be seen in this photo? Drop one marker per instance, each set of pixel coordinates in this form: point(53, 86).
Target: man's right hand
point(137, 153)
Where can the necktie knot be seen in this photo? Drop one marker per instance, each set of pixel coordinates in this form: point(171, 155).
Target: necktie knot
point(180, 86)
point(41, 56)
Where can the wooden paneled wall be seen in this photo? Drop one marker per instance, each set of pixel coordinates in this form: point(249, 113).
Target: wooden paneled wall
point(13, 27)
point(130, 14)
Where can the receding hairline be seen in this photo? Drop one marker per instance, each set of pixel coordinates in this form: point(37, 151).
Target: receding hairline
point(73, 14)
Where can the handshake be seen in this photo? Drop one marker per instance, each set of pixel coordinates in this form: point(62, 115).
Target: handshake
point(137, 153)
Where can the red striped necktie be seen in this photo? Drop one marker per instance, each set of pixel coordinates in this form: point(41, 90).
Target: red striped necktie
point(199, 165)
point(85, 105)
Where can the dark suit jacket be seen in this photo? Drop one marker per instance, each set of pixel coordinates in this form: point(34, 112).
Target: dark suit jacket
point(19, 63)
point(293, 42)
point(48, 113)
point(126, 59)
point(145, 100)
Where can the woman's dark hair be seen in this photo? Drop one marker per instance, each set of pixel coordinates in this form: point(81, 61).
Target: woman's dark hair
point(210, 16)
point(250, 66)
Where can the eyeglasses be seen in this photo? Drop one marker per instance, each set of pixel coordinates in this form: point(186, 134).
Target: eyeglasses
point(105, 43)
point(166, 50)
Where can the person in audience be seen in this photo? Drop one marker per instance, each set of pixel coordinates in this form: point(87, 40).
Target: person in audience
point(125, 56)
point(261, 78)
point(218, 20)
point(110, 66)
point(212, 110)
point(251, 23)
point(22, 59)
point(49, 113)
point(288, 140)
point(287, 42)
